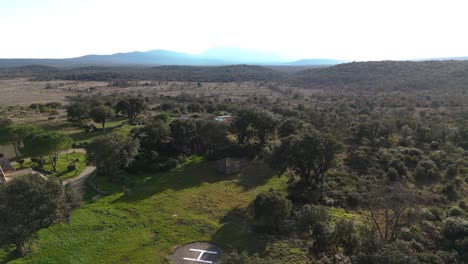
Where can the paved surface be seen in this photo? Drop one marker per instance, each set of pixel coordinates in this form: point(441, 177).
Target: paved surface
point(194, 253)
point(77, 183)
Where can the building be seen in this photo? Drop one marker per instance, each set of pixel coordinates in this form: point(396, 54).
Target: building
point(224, 118)
point(229, 166)
point(8, 151)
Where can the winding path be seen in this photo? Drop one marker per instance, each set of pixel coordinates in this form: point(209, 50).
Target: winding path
point(77, 183)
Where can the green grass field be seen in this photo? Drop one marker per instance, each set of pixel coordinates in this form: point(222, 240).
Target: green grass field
point(161, 212)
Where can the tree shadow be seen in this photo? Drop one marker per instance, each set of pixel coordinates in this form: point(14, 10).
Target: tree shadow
point(193, 173)
point(12, 255)
point(254, 174)
point(237, 233)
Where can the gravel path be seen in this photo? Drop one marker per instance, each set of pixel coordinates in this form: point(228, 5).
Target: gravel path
point(77, 183)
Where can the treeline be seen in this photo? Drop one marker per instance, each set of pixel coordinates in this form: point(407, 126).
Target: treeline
point(386, 75)
point(363, 76)
point(233, 73)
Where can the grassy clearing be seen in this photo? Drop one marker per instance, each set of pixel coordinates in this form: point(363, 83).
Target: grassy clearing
point(81, 136)
point(162, 211)
point(62, 163)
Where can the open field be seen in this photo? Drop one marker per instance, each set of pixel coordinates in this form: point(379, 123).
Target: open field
point(161, 212)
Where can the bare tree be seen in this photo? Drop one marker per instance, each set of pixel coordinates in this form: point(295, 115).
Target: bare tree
point(392, 208)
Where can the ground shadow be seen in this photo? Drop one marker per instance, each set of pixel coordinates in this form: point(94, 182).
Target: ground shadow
point(237, 233)
point(10, 256)
point(254, 174)
point(191, 174)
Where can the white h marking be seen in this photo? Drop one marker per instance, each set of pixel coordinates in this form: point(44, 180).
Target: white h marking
point(198, 259)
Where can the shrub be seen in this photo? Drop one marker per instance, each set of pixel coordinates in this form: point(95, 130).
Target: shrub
point(345, 235)
point(454, 228)
point(426, 171)
point(399, 166)
point(271, 210)
point(398, 252)
point(244, 258)
point(323, 237)
point(452, 172)
point(309, 216)
point(450, 191)
point(456, 211)
point(392, 174)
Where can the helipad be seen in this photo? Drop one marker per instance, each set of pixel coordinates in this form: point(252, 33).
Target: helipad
point(197, 253)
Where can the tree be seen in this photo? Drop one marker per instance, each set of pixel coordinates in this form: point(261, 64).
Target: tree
point(391, 209)
point(184, 133)
point(77, 111)
point(30, 203)
point(257, 124)
point(164, 117)
point(264, 125)
point(15, 134)
point(309, 154)
point(290, 126)
point(241, 125)
point(47, 143)
point(132, 106)
point(101, 113)
point(154, 138)
point(112, 152)
point(272, 209)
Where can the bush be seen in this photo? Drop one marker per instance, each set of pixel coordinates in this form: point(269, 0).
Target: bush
point(452, 172)
point(271, 210)
point(170, 164)
point(345, 235)
point(244, 258)
point(456, 211)
point(454, 228)
point(392, 174)
point(323, 237)
point(433, 214)
point(398, 252)
point(426, 171)
point(309, 216)
point(450, 191)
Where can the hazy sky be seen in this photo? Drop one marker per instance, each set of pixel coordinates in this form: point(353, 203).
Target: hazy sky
point(341, 29)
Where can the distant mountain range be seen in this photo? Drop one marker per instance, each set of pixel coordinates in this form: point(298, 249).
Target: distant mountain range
point(218, 56)
point(212, 57)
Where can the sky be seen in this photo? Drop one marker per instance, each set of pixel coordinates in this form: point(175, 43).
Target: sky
point(298, 29)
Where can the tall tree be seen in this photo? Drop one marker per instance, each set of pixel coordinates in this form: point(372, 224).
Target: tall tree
point(309, 154)
point(47, 143)
point(391, 209)
point(132, 106)
point(77, 111)
point(112, 152)
point(154, 138)
point(256, 124)
point(28, 204)
point(101, 113)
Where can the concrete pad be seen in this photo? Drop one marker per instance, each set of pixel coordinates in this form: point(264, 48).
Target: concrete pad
point(197, 253)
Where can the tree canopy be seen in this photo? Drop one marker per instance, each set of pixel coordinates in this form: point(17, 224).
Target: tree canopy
point(29, 203)
point(112, 152)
